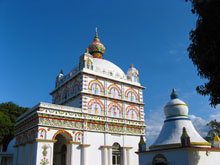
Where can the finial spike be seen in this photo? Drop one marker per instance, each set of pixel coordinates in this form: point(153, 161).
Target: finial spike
point(132, 65)
point(174, 95)
point(96, 32)
point(61, 71)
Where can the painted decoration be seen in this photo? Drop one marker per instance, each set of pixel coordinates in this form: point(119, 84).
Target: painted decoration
point(114, 92)
point(115, 110)
point(78, 137)
point(42, 133)
point(88, 64)
point(96, 107)
point(132, 113)
point(131, 96)
point(96, 89)
point(44, 161)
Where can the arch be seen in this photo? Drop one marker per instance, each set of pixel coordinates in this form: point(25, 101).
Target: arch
point(159, 159)
point(98, 83)
point(116, 86)
point(65, 93)
point(42, 129)
point(131, 89)
point(132, 112)
point(42, 133)
point(74, 87)
point(96, 101)
point(63, 132)
point(114, 103)
point(78, 137)
point(116, 154)
point(114, 109)
point(96, 106)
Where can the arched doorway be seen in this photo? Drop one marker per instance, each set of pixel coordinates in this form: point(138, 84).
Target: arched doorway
point(60, 152)
point(116, 154)
point(159, 159)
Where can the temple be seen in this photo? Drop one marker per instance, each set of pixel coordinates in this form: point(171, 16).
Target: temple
point(96, 115)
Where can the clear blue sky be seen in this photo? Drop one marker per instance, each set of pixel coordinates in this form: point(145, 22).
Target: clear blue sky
point(38, 38)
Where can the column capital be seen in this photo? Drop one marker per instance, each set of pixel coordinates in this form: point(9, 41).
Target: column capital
point(72, 142)
point(106, 146)
point(128, 148)
point(84, 145)
point(45, 140)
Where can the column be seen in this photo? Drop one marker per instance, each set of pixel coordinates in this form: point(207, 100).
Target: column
point(22, 154)
point(69, 154)
point(110, 156)
point(124, 158)
point(75, 153)
point(83, 153)
point(128, 157)
point(104, 156)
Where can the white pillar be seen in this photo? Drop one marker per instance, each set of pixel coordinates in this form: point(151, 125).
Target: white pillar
point(128, 157)
point(104, 156)
point(124, 152)
point(69, 154)
point(110, 156)
point(83, 153)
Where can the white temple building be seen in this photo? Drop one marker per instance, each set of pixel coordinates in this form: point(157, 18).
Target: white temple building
point(178, 142)
point(96, 117)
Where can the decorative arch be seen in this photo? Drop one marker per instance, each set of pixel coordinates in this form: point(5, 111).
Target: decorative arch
point(41, 130)
point(130, 92)
point(78, 137)
point(114, 90)
point(89, 63)
point(75, 87)
point(65, 93)
point(132, 112)
point(96, 106)
point(114, 109)
point(64, 132)
point(96, 86)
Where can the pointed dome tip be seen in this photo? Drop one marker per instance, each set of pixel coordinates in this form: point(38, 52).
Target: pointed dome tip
point(174, 94)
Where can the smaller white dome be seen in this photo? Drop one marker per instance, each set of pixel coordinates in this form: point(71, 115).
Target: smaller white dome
point(175, 107)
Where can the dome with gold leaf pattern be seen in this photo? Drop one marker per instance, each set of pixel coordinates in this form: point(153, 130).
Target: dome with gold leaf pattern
point(96, 48)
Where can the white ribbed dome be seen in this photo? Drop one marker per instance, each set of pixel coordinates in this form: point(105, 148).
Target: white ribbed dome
point(107, 67)
point(176, 107)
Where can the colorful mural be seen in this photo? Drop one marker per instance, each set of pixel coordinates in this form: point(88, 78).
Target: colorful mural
point(42, 133)
point(114, 110)
point(96, 107)
point(131, 95)
point(96, 87)
point(78, 137)
point(132, 113)
point(114, 91)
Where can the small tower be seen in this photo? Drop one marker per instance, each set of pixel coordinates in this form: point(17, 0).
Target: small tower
point(59, 77)
point(216, 141)
point(185, 139)
point(133, 74)
point(142, 144)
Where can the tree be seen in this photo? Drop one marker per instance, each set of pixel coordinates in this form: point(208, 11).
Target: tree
point(8, 116)
point(204, 50)
point(214, 129)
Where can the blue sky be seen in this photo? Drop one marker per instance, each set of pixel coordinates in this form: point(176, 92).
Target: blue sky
point(38, 38)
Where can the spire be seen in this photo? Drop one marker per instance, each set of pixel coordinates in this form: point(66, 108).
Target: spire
point(142, 144)
point(61, 71)
point(96, 48)
point(96, 35)
point(174, 95)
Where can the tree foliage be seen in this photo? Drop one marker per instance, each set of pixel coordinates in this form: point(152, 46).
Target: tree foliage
point(204, 50)
point(8, 116)
point(214, 129)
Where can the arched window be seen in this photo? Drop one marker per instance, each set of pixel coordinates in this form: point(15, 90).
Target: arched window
point(131, 95)
point(114, 91)
point(159, 159)
point(116, 154)
point(132, 113)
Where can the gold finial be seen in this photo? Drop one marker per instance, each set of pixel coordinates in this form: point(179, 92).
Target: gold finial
point(96, 35)
point(132, 65)
point(87, 50)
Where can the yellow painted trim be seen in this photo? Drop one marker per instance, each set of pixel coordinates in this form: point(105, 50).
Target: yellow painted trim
point(216, 139)
point(128, 148)
point(201, 144)
point(174, 105)
point(84, 145)
point(179, 144)
point(45, 140)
